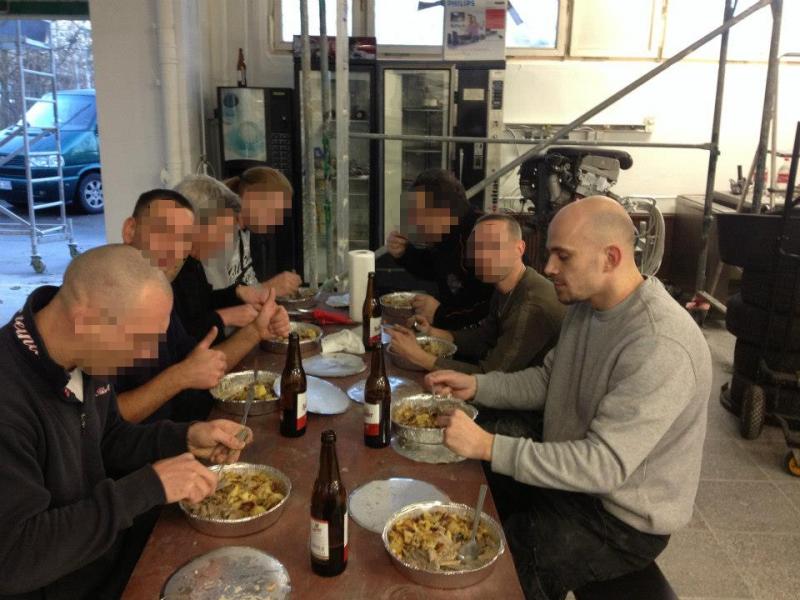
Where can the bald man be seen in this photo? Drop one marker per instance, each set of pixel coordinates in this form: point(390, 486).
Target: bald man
point(624, 395)
point(75, 475)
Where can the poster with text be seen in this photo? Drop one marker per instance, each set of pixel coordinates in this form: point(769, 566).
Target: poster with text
point(475, 30)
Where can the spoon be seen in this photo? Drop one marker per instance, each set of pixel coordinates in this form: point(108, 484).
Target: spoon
point(469, 551)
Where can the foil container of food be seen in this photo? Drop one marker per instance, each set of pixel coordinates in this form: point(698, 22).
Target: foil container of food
point(247, 525)
point(307, 345)
point(470, 574)
point(229, 398)
point(302, 298)
point(422, 402)
point(396, 307)
point(441, 348)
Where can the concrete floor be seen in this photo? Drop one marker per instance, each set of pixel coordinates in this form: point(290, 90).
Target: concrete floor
point(745, 535)
point(17, 277)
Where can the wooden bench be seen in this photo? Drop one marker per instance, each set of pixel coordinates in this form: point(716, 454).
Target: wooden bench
point(647, 584)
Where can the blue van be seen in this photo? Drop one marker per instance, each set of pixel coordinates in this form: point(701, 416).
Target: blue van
point(80, 151)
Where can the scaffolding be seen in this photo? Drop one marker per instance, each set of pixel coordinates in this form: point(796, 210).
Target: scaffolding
point(23, 153)
point(712, 147)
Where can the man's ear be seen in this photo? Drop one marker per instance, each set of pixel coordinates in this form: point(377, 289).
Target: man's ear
point(521, 248)
point(613, 257)
point(128, 230)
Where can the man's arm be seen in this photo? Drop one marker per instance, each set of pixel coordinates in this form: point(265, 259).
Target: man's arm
point(653, 382)
point(239, 345)
point(521, 390)
point(41, 544)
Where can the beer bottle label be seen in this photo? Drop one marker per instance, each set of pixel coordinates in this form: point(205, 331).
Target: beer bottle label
point(302, 409)
point(374, 330)
point(320, 548)
point(372, 419)
point(346, 535)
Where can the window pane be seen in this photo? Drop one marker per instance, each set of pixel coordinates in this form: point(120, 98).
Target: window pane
point(403, 23)
point(290, 18)
point(538, 27)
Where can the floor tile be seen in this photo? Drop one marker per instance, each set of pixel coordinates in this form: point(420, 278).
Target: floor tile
point(767, 562)
point(725, 459)
point(749, 506)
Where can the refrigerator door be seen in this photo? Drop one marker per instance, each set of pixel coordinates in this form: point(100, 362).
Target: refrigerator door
point(416, 102)
point(361, 119)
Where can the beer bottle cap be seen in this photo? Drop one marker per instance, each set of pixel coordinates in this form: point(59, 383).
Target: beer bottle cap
point(294, 335)
point(329, 435)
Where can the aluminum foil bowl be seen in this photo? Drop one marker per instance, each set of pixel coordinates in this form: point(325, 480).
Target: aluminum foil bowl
point(302, 298)
point(233, 383)
point(426, 435)
point(247, 525)
point(307, 346)
point(441, 348)
point(396, 307)
point(445, 579)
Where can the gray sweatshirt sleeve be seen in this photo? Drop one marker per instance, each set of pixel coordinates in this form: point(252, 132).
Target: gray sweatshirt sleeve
point(643, 400)
point(523, 390)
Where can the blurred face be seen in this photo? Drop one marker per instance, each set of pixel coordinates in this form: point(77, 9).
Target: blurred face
point(163, 234)
point(264, 210)
point(211, 236)
point(575, 265)
point(496, 253)
point(110, 338)
point(427, 223)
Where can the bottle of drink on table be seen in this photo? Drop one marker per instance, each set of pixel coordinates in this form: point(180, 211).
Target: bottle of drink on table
point(377, 403)
point(371, 316)
point(329, 527)
point(293, 403)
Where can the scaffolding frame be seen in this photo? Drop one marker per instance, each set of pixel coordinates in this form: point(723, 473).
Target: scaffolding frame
point(729, 20)
point(38, 231)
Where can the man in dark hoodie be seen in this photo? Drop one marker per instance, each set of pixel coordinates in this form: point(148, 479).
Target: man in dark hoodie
point(75, 475)
point(433, 247)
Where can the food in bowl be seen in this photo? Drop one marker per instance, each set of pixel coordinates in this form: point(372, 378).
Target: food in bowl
point(301, 294)
point(305, 333)
point(400, 302)
point(261, 393)
point(414, 416)
point(434, 347)
point(241, 495)
point(431, 541)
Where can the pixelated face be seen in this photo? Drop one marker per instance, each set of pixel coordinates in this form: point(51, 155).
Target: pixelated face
point(212, 235)
point(163, 234)
point(575, 267)
point(264, 210)
point(425, 222)
point(111, 338)
point(494, 251)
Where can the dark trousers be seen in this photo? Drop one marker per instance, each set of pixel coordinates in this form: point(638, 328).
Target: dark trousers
point(561, 540)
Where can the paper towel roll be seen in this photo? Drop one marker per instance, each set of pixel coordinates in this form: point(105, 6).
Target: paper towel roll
point(360, 263)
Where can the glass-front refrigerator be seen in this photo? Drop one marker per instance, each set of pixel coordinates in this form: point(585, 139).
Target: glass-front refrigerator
point(415, 100)
point(363, 160)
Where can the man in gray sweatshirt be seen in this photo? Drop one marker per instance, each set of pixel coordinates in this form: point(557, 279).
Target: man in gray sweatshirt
point(524, 313)
point(624, 395)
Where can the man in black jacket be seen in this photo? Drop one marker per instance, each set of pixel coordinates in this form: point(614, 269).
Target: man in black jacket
point(75, 475)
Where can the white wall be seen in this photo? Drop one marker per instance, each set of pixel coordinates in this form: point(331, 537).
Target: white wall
point(128, 103)
point(211, 31)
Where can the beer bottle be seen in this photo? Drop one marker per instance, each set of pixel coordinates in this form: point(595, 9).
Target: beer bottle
point(293, 403)
point(371, 316)
point(377, 403)
point(328, 513)
point(241, 70)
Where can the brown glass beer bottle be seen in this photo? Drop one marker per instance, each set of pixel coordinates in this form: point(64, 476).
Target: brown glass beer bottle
point(371, 316)
point(377, 403)
point(293, 403)
point(329, 527)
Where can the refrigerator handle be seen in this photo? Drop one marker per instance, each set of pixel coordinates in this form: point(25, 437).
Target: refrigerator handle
point(460, 164)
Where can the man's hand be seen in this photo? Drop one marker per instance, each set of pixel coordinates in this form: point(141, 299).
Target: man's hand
point(425, 306)
point(238, 316)
point(252, 294)
point(216, 440)
point(423, 326)
point(184, 478)
point(284, 284)
point(204, 367)
point(396, 244)
point(464, 437)
point(404, 343)
point(263, 321)
point(452, 383)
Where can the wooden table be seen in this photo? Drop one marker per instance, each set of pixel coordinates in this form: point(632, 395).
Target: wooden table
point(369, 573)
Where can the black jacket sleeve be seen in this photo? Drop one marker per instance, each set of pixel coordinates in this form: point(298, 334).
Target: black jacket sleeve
point(41, 544)
point(465, 309)
point(419, 262)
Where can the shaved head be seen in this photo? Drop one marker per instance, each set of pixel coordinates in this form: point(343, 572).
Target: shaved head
point(109, 276)
point(112, 310)
point(591, 244)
